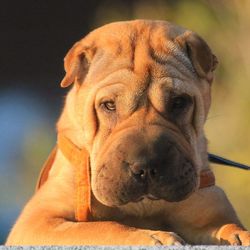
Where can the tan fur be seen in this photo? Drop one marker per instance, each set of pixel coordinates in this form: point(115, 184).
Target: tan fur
point(139, 63)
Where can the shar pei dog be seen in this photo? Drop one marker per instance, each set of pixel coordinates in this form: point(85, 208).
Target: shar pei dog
point(131, 166)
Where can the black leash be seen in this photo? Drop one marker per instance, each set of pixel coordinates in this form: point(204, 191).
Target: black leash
point(220, 160)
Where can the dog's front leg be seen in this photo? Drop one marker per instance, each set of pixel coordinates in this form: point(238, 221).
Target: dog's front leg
point(49, 220)
point(233, 234)
point(221, 234)
point(207, 217)
point(55, 231)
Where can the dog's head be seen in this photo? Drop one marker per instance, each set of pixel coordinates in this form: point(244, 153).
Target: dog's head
point(140, 98)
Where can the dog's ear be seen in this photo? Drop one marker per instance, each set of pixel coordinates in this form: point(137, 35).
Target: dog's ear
point(201, 56)
point(76, 64)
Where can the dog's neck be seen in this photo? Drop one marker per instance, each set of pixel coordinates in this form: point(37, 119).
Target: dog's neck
point(62, 168)
point(65, 163)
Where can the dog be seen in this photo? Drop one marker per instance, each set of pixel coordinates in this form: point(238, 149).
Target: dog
point(131, 165)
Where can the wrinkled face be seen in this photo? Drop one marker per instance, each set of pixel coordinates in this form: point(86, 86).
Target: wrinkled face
point(142, 110)
point(143, 146)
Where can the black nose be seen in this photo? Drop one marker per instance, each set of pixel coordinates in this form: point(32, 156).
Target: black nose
point(141, 171)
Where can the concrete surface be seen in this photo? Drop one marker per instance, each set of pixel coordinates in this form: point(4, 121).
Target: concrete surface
point(124, 248)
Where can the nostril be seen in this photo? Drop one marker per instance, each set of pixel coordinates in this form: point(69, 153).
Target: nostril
point(153, 172)
point(142, 174)
point(138, 170)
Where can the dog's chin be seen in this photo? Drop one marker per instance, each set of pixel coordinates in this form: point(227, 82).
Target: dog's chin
point(175, 196)
point(113, 193)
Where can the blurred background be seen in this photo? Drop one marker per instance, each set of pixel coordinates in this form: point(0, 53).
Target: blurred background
point(35, 36)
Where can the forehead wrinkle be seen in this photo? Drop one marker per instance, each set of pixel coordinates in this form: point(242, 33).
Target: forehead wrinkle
point(171, 67)
point(122, 76)
point(180, 56)
point(140, 55)
point(178, 66)
point(175, 85)
point(170, 71)
point(184, 87)
point(169, 55)
point(112, 89)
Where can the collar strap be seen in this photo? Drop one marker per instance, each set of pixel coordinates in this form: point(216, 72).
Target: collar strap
point(79, 158)
point(207, 178)
point(44, 172)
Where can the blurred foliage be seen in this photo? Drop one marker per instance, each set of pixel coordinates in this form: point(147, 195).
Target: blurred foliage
point(225, 25)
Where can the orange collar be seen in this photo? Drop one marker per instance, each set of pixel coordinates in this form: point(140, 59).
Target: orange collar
point(79, 158)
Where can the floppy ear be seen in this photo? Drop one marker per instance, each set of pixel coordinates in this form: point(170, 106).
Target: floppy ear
point(76, 64)
point(201, 56)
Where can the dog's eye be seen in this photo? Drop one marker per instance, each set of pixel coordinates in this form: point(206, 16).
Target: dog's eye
point(180, 103)
point(108, 105)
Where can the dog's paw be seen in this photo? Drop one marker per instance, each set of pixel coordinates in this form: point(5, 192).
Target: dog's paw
point(152, 238)
point(234, 235)
point(240, 238)
point(167, 238)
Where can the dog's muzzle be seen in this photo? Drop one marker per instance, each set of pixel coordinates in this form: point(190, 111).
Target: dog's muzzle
point(148, 163)
point(79, 159)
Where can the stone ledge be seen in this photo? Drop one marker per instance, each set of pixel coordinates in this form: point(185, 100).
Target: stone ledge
point(123, 248)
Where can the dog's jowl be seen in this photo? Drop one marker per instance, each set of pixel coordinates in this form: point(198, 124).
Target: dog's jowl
point(130, 166)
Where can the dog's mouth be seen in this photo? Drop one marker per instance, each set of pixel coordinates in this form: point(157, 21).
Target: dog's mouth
point(122, 193)
point(138, 166)
point(117, 188)
point(168, 193)
point(149, 197)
